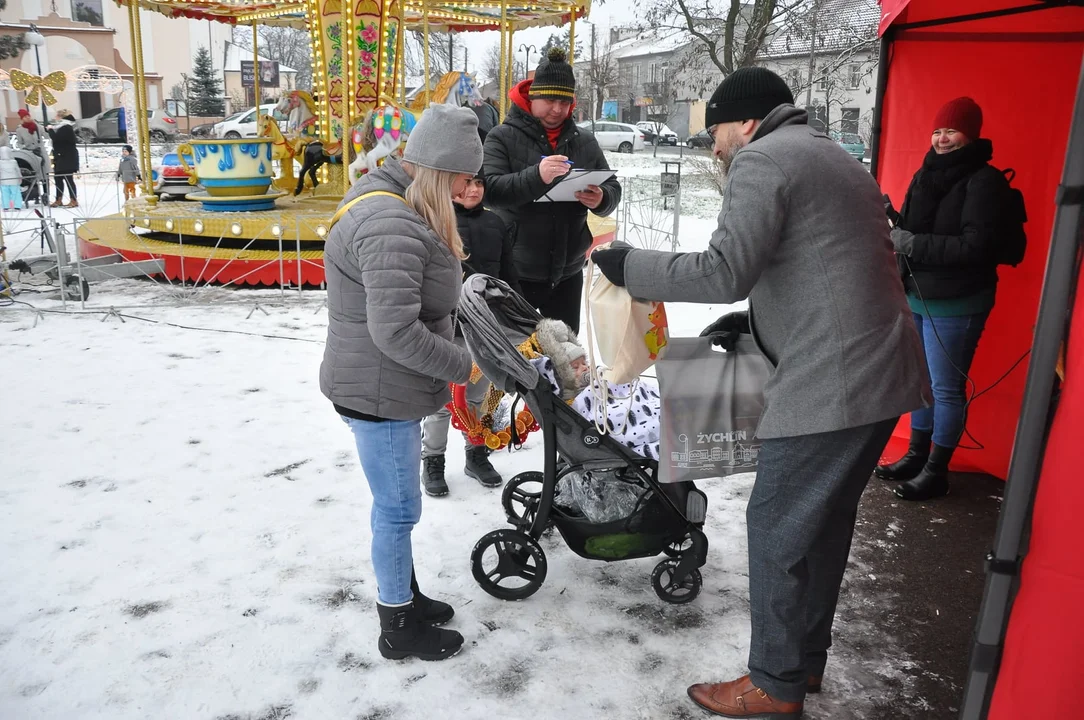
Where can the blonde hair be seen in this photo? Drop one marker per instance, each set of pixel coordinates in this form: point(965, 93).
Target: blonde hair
point(430, 194)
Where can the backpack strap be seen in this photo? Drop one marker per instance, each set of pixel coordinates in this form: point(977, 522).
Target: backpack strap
point(346, 208)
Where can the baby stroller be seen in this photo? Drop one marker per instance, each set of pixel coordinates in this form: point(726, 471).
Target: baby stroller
point(665, 519)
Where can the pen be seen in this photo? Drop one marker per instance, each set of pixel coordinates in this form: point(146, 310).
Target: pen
point(567, 162)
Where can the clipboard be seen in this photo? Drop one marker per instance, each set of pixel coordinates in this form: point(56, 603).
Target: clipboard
point(574, 181)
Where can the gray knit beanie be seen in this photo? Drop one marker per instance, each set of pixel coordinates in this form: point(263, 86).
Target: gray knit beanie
point(446, 138)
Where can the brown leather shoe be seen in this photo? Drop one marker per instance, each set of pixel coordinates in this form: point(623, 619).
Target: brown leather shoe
point(813, 684)
point(742, 699)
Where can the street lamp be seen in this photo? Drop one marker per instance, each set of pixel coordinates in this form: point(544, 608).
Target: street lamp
point(527, 62)
point(35, 38)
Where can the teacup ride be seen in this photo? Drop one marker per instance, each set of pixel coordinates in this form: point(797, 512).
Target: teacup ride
point(235, 174)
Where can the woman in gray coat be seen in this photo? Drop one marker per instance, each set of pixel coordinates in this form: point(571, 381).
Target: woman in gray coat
point(392, 263)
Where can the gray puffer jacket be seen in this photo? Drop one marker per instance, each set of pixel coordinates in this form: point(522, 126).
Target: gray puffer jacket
point(392, 287)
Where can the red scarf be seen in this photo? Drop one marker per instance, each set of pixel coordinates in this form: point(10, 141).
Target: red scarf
point(519, 95)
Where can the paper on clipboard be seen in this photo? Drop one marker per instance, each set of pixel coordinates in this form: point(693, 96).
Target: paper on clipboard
point(574, 181)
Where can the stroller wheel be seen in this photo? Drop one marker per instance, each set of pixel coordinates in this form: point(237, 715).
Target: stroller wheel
point(508, 564)
point(521, 497)
point(676, 593)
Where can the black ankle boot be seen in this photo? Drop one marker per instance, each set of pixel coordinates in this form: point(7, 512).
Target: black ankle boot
point(479, 467)
point(932, 482)
point(403, 634)
point(433, 481)
point(433, 612)
point(911, 464)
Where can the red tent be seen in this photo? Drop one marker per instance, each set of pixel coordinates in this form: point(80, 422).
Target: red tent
point(1022, 68)
point(1021, 60)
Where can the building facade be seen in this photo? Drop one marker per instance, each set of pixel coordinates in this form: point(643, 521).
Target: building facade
point(96, 32)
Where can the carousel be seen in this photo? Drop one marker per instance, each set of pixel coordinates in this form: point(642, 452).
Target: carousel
point(260, 208)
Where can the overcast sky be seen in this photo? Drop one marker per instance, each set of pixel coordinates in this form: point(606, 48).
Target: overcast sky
point(613, 13)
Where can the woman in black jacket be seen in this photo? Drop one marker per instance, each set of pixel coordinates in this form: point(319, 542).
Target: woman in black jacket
point(487, 241)
point(946, 237)
point(65, 157)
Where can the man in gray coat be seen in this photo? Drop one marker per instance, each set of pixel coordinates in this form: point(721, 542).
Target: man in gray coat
point(802, 235)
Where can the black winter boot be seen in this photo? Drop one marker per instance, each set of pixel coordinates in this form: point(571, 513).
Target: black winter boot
point(479, 467)
point(433, 612)
point(932, 482)
point(910, 464)
point(403, 634)
point(433, 476)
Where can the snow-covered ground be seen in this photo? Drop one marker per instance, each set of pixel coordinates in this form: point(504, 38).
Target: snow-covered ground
point(184, 534)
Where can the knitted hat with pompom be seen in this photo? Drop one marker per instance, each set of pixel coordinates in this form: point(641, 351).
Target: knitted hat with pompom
point(554, 79)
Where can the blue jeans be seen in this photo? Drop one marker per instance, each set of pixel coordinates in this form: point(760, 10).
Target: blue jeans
point(948, 356)
point(390, 454)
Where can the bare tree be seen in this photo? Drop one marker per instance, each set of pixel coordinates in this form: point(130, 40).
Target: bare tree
point(723, 35)
point(286, 46)
point(490, 67)
point(598, 74)
point(443, 51)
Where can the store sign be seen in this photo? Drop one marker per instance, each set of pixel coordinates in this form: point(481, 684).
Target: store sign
point(645, 101)
point(269, 74)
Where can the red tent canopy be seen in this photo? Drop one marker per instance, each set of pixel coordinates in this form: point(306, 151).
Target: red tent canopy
point(1021, 60)
point(1022, 69)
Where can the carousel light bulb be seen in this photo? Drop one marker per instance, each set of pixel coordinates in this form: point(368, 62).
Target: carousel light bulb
point(146, 222)
point(276, 230)
point(321, 230)
point(169, 224)
point(198, 226)
point(235, 228)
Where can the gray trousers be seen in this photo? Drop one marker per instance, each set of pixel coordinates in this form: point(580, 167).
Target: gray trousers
point(801, 518)
point(435, 426)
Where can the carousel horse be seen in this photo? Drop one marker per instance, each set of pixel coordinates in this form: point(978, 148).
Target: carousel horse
point(385, 129)
point(281, 149)
point(300, 110)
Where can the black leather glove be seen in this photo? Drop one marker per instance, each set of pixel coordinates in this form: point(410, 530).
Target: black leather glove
point(611, 261)
point(724, 331)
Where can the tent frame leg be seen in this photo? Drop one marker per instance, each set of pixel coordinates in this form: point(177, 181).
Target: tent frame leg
point(1033, 427)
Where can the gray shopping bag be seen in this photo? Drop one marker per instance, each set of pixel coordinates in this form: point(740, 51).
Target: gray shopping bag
point(711, 404)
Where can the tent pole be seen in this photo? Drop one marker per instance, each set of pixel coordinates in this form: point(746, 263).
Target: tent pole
point(1003, 563)
point(878, 107)
point(256, 71)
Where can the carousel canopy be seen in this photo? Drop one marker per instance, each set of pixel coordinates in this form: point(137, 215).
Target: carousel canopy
point(443, 15)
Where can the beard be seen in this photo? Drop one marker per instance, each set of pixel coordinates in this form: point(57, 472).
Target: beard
point(731, 146)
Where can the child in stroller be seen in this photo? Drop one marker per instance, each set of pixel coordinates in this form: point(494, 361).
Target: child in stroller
point(662, 518)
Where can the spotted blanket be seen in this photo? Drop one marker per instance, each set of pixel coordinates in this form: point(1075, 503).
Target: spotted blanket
point(631, 411)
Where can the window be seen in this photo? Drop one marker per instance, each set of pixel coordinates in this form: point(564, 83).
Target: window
point(849, 121)
point(88, 11)
point(664, 72)
point(855, 77)
point(818, 117)
point(636, 74)
point(819, 73)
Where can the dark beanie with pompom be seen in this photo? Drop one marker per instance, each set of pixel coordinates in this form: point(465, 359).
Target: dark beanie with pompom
point(554, 79)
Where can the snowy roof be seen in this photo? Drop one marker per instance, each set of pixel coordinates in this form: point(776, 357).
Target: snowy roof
point(841, 24)
point(236, 53)
point(649, 42)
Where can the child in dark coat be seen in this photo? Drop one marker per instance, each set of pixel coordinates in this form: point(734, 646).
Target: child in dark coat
point(488, 244)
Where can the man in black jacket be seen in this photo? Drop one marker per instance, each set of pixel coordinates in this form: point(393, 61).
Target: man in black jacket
point(525, 156)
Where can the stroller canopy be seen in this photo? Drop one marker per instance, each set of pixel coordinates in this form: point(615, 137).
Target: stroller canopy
point(495, 320)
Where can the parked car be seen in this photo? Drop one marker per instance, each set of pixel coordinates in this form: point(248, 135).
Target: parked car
point(702, 139)
point(657, 131)
point(243, 124)
point(851, 143)
point(105, 127)
point(171, 179)
point(615, 136)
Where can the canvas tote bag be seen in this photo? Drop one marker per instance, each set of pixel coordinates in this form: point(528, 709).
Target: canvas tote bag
point(711, 404)
point(631, 334)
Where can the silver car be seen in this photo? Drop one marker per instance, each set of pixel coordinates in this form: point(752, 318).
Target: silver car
point(105, 127)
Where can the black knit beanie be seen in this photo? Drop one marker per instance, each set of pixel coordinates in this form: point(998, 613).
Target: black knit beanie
point(748, 93)
point(554, 79)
